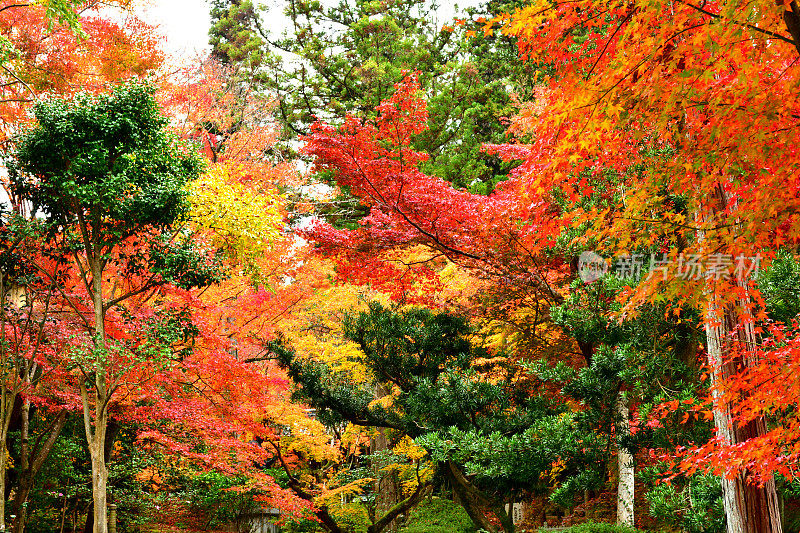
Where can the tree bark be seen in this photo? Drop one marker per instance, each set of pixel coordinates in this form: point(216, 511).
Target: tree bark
point(626, 466)
point(475, 503)
point(402, 507)
point(387, 486)
point(748, 508)
point(96, 432)
point(791, 17)
point(111, 437)
point(730, 340)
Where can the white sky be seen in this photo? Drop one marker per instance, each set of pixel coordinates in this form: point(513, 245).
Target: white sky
point(184, 23)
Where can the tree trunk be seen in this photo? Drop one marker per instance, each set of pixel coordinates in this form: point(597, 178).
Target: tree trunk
point(387, 486)
point(3, 460)
point(626, 465)
point(6, 404)
point(99, 490)
point(96, 433)
point(748, 508)
point(400, 508)
point(112, 430)
point(476, 504)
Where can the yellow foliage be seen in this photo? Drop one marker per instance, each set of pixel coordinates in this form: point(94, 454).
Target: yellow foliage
point(354, 488)
point(407, 448)
point(314, 329)
point(556, 468)
point(243, 220)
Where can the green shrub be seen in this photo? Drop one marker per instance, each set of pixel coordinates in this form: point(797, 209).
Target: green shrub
point(351, 517)
point(694, 508)
point(438, 516)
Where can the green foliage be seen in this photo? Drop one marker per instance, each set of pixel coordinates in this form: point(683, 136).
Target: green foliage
point(63, 483)
point(106, 172)
point(300, 525)
point(345, 58)
point(209, 494)
point(184, 263)
point(64, 12)
point(789, 490)
point(584, 315)
point(128, 487)
point(524, 459)
point(429, 358)
point(106, 159)
point(234, 34)
point(780, 286)
point(351, 517)
point(695, 508)
point(630, 358)
point(438, 515)
point(505, 435)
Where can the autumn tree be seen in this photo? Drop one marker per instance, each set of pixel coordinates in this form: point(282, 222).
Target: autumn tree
point(534, 254)
point(104, 171)
point(700, 110)
point(29, 342)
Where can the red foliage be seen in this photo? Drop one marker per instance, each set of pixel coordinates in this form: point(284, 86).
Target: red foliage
point(502, 235)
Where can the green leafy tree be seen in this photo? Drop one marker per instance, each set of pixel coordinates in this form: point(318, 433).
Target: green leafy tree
point(344, 59)
point(780, 287)
point(627, 363)
point(444, 392)
point(109, 178)
point(235, 35)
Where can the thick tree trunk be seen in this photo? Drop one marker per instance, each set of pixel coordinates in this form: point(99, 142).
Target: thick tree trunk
point(476, 504)
point(112, 430)
point(748, 508)
point(626, 465)
point(729, 341)
point(387, 487)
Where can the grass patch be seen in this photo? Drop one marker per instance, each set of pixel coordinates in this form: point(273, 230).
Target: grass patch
point(438, 516)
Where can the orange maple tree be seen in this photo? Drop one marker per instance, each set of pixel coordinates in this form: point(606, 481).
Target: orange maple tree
point(693, 107)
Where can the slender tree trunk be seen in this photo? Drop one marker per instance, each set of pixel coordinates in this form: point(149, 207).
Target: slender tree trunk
point(96, 433)
point(3, 460)
point(6, 404)
point(626, 465)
